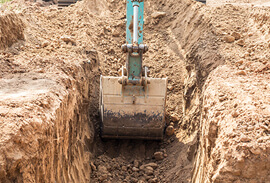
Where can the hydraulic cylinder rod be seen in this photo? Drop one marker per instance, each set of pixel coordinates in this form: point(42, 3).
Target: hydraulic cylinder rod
point(135, 22)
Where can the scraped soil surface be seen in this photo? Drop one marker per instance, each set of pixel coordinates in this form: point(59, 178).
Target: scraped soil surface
point(49, 92)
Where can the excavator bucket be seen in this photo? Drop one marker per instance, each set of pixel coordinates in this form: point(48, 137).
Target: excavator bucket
point(131, 111)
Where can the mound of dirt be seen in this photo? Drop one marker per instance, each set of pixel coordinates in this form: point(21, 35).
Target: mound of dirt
point(11, 29)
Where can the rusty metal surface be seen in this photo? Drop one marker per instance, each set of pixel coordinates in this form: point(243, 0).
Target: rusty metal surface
point(134, 114)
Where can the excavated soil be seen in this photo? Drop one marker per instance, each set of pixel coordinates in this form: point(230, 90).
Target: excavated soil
point(11, 29)
point(216, 59)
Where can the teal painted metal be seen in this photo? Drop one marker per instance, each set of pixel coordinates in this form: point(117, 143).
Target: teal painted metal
point(134, 67)
point(134, 59)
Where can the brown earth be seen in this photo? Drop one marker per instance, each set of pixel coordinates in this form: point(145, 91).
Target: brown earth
point(217, 63)
point(11, 29)
point(239, 2)
point(235, 126)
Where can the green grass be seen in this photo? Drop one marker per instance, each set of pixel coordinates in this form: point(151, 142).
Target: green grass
point(4, 1)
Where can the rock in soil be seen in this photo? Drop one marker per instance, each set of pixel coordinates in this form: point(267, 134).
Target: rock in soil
point(148, 170)
point(158, 14)
point(170, 130)
point(236, 35)
point(229, 39)
point(158, 155)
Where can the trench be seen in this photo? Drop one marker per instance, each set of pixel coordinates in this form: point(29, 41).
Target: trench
point(185, 49)
point(122, 160)
point(185, 45)
point(134, 160)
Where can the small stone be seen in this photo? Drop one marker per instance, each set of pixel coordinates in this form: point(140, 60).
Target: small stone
point(174, 117)
point(134, 169)
point(102, 169)
point(255, 150)
point(204, 74)
point(163, 65)
point(158, 155)
point(142, 167)
point(67, 39)
point(170, 130)
point(45, 44)
point(241, 73)
point(136, 163)
point(235, 114)
point(149, 170)
point(116, 33)
point(240, 42)
point(240, 62)
point(245, 139)
point(124, 168)
point(229, 39)
point(158, 14)
point(153, 165)
point(171, 87)
point(236, 35)
point(242, 67)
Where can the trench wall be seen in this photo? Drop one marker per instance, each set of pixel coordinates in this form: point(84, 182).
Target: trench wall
point(52, 143)
point(11, 29)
